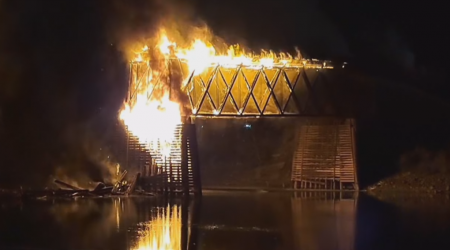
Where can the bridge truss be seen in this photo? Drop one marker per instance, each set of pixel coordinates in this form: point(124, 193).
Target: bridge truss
point(246, 91)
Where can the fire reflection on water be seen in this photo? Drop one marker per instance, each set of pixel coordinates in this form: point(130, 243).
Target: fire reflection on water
point(117, 209)
point(163, 232)
point(139, 224)
point(310, 220)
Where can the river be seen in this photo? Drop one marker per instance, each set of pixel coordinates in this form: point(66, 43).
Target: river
point(223, 220)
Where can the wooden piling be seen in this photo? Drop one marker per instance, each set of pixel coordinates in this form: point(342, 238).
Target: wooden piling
point(184, 163)
point(195, 162)
point(177, 174)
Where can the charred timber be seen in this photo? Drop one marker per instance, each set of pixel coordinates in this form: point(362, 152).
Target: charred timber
point(66, 185)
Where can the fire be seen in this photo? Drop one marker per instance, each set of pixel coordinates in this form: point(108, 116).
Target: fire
point(198, 56)
point(153, 118)
point(201, 54)
point(153, 122)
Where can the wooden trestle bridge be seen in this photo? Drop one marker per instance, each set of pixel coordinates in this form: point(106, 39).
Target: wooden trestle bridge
point(325, 155)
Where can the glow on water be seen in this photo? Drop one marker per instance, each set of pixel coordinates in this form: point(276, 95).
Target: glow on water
point(163, 232)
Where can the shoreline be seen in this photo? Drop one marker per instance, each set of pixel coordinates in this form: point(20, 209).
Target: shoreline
point(409, 182)
point(402, 185)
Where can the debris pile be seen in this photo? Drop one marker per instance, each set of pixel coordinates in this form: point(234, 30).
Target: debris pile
point(66, 190)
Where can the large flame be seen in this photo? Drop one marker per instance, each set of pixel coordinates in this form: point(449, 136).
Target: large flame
point(154, 119)
point(201, 54)
point(153, 122)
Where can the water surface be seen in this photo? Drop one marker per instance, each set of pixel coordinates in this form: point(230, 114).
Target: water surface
point(222, 220)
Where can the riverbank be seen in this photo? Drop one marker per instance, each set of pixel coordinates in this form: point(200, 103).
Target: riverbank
point(413, 183)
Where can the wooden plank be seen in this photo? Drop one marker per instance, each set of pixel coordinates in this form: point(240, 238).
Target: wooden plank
point(119, 181)
point(133, 184)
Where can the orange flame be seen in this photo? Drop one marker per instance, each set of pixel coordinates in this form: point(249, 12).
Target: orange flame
point(153, 122)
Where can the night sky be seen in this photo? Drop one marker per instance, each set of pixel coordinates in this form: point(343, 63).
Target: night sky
point(63, 74)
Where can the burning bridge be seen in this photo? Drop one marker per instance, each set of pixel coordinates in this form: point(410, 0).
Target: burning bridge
point(248, 91)
point(324, 157)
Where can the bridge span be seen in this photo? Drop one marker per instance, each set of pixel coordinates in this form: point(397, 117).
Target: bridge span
point(324, 156)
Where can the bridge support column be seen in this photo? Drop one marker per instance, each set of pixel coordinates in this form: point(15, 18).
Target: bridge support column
point(177, 174)
point(325, 152)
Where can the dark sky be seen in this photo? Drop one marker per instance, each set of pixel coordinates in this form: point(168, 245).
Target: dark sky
point(63, 77)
